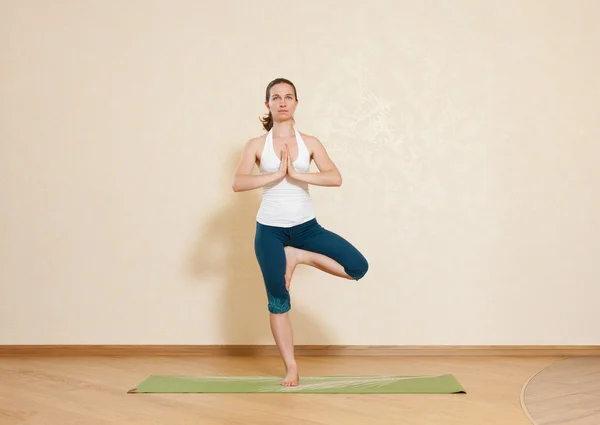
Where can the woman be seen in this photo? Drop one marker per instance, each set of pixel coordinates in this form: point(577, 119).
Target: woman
point(287, 231)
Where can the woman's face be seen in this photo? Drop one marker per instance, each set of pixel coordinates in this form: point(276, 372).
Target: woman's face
point(282, 102)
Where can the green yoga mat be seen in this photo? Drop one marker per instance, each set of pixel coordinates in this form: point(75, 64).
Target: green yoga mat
point(442, 384)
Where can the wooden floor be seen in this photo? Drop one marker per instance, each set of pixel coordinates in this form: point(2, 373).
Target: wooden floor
point(93, 390)
point(566, 392)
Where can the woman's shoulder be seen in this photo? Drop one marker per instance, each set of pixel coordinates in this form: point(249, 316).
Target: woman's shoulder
point(260, 138)
point(309, 139)
point(257, 141)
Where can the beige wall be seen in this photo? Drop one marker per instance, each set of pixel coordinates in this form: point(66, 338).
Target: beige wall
point(467, 133)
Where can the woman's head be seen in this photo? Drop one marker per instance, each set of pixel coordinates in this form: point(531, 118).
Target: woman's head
point(281, 100)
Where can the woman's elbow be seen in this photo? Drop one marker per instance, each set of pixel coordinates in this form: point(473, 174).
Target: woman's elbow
point(235, 186)
point(338, 180)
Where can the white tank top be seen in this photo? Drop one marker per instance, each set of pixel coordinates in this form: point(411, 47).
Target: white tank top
point(288, 202)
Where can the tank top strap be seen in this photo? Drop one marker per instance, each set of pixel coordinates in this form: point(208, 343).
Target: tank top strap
point(301, 145)
point(268, 149)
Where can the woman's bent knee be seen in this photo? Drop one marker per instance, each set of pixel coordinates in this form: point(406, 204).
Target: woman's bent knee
point(359, 269)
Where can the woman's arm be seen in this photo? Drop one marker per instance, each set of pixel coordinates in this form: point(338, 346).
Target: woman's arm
point(328, 174)
point(243, 179)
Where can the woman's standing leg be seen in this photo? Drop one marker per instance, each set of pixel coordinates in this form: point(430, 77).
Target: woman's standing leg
point(269, 249)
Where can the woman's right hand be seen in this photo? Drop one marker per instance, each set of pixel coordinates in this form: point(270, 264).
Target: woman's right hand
point(244, 178)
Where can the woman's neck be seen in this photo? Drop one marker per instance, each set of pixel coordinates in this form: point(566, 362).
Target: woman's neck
point(283, 129)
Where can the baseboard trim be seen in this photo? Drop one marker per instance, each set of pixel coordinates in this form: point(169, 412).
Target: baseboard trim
point(302, 350)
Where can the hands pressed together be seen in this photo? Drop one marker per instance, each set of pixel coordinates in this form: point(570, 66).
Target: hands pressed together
point(286, 167)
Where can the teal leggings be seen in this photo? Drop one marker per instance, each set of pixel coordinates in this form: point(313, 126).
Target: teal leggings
point(269, 242)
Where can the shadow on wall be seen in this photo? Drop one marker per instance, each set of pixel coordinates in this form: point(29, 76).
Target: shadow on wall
point(225, 249)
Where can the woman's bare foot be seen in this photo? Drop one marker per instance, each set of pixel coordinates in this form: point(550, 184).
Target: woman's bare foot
point(292, 258)
point(295, 256)
point(292, 378)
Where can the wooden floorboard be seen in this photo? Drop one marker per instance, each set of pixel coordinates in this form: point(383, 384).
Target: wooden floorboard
point(303, 350)
point(566, 392)
point(93, 390)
